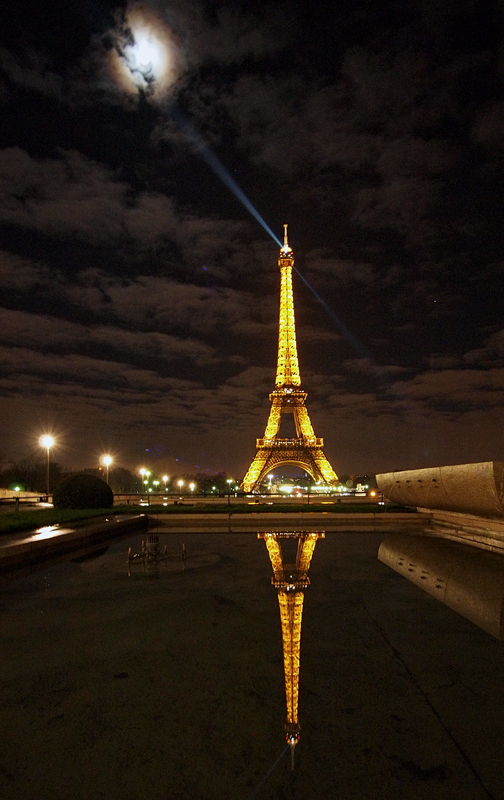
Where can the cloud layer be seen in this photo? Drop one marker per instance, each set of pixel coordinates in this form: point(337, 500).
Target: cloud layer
point(139, 301)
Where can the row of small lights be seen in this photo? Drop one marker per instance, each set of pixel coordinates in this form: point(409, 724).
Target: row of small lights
point(145, 473)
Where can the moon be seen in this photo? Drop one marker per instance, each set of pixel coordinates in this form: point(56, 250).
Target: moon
point(145, 57)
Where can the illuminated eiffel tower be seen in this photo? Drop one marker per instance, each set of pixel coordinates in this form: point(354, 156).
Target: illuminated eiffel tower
point(290, 580)
point(288, 398)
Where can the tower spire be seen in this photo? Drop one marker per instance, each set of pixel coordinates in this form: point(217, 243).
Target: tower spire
point(287, 362)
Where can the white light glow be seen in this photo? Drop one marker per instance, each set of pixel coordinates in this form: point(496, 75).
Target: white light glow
point(145, 56)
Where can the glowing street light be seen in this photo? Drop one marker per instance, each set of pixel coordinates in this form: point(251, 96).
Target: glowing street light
point(165, 480)
point(47, 442)
point(192, 486)
point(145, 473)
point(229, 481)
point(107, 460)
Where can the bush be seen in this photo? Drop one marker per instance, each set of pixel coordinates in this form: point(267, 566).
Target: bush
point(83, 491)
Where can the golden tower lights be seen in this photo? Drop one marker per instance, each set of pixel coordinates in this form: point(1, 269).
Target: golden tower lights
point(305, 450)
point(290, 580)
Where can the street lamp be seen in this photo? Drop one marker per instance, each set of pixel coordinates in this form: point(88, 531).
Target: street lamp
point(191, 487)
point(165, 480)
point(229, 481)
point(180, 484)
point(145, 477)
point(47, 442)
point(107, 460)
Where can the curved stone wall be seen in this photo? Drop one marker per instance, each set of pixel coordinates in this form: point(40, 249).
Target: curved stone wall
point(468, 488)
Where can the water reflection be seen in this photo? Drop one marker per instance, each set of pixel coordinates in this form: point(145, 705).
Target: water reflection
point(151, 556)
point(290, 578)
point(468, 580)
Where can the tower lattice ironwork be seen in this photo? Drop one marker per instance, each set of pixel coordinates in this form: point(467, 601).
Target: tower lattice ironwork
point(290, 580)
point(305, 450)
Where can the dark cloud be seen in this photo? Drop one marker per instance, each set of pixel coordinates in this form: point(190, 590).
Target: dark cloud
point(32, 73)
point(140, 299)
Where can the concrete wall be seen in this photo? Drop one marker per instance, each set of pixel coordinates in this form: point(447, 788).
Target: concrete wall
point(467, 488)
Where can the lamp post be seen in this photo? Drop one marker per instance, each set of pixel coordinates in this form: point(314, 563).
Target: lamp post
point(145, 477)
point(107, 461)
point(165, 480)
point(47, 442)
point(229, 481)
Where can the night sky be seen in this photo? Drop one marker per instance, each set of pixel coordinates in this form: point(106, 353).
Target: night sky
point(139, 298)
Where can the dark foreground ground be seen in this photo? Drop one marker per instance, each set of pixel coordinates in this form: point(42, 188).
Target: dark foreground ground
point(125, 688)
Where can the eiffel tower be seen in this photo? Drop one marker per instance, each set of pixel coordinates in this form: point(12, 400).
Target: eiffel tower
point(305, 450)
point(290, 580)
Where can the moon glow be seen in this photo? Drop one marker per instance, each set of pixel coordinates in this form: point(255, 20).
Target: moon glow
point(145, 56)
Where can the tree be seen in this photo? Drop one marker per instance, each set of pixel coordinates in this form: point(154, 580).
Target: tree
point(83, 490)
point(30, 474)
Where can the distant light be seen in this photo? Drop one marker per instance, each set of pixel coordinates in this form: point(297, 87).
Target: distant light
point(46, 441)
point(107, 460)
point(17, 488)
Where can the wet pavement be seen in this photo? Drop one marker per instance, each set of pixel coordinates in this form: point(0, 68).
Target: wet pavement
point(170, 684)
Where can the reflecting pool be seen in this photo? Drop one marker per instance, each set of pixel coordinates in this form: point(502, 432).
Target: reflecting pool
point(123, 681)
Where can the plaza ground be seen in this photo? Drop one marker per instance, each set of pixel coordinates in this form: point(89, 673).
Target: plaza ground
point(124, 687)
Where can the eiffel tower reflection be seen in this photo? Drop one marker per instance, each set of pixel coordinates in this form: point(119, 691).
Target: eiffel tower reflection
point(290, 579)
